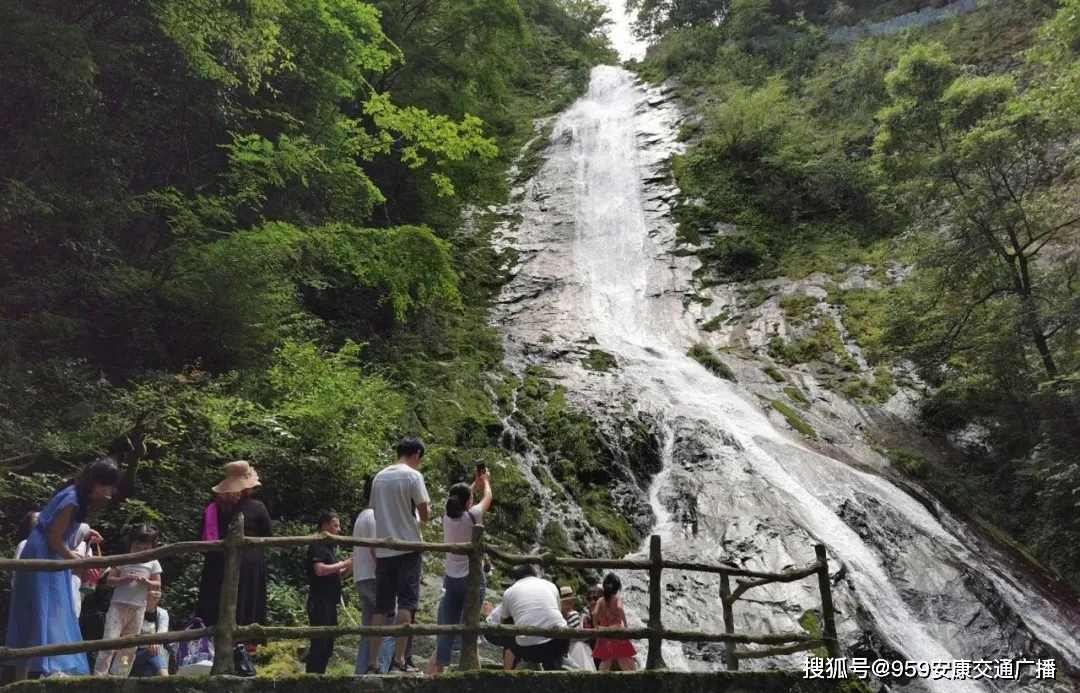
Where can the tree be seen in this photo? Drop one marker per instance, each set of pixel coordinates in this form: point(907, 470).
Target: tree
point(654, 18)
point(972, 163)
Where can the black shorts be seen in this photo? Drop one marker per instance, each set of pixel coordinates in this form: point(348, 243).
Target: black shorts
point(397, 583)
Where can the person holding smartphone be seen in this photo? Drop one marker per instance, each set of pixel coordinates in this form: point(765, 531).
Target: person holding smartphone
point(461, 515)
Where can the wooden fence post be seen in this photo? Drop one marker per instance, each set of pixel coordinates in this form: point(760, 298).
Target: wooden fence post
point(470, 656)
point(729, 623)
point(230, 585)
point(656, 640)
point(828, 618)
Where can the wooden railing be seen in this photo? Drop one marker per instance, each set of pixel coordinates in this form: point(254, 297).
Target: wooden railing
point(226, 633)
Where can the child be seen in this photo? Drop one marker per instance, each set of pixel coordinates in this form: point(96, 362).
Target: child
point(609, 613)
point(151, 660)
point(128, 605)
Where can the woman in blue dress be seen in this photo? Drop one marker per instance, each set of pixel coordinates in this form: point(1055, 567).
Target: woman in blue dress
point(44, 613)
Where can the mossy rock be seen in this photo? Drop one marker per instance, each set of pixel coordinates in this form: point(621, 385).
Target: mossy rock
point(716, 323)
point(796, 395)
point(598, 360)
point(798, 306)
point(774, 374)
point(793, 419)
point(703, 355)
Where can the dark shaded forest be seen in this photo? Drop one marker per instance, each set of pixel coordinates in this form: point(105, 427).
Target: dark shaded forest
point(246, 219)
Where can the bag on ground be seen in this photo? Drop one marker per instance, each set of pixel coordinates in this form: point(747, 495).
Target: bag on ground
point(195, 657)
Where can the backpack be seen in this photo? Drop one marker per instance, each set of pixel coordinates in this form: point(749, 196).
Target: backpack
point(197, 654)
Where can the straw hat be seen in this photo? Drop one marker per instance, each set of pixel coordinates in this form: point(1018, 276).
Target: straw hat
point(566, 593)
point(239, 475)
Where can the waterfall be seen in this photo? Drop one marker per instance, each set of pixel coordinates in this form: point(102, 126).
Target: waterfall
point(596, 267)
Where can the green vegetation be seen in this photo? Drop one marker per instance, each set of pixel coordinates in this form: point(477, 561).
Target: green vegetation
point(793, 419)
point(816, 152)
point(703, 355)
point(246, 219)
point(796, 395)
point(775, 374)
point(798, 306)
point(880, 389)
point(598, 360)
point(715, 323)
point(578, 457)
point(810, 621)
point(825, 340)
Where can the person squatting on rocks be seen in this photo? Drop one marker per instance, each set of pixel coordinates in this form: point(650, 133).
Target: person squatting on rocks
point(131, 584)
point(324, 572)
point(43, 610)
point(533, 601)
point(461, 516)
point(401, 503)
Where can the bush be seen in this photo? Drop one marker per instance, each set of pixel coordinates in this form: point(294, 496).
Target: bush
point(703, 355)
point(738, 256)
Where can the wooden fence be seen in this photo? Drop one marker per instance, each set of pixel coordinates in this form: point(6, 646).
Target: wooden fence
point(227, 632)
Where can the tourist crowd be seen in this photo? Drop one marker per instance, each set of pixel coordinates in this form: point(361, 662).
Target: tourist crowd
point(45, 606)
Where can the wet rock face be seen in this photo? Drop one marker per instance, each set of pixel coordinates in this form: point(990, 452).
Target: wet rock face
point(713, 466)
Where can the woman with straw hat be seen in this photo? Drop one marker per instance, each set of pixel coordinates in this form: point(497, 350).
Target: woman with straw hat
point(232, 496)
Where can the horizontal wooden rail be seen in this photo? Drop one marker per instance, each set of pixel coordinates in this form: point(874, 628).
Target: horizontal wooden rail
point(644, 564)
point(290, 542)
point(299, 633)
point(254, 632)
point(8, 653)
point(188, 547)
point(549, 559)
point(787, 576)
point(730, 571)
point(780, 650)
point(45, 565)
point(227, 632)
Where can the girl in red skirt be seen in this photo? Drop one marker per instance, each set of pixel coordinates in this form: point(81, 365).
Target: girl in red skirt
point(608, 613)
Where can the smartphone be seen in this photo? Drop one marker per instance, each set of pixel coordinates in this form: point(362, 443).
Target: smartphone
point(481, 468)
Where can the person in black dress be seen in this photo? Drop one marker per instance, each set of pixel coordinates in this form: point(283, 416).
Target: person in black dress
point(232, 496)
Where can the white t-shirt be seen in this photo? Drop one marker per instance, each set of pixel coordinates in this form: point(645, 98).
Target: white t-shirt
point(456, 532)
point(533, 602)
point(79, 546)
point(363, 562)
point(133, 592)
point(393, 494)
point(158, 625)
point(496, 615)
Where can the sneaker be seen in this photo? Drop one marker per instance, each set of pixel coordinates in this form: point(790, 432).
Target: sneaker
point(402, 669)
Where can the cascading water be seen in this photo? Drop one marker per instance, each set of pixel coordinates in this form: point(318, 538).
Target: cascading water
point(596, 264)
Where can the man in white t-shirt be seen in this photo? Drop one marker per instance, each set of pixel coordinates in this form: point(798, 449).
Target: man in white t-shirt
point(400, 502)
point(533, 601)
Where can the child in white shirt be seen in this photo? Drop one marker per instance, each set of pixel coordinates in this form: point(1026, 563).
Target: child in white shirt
point(128, 605)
